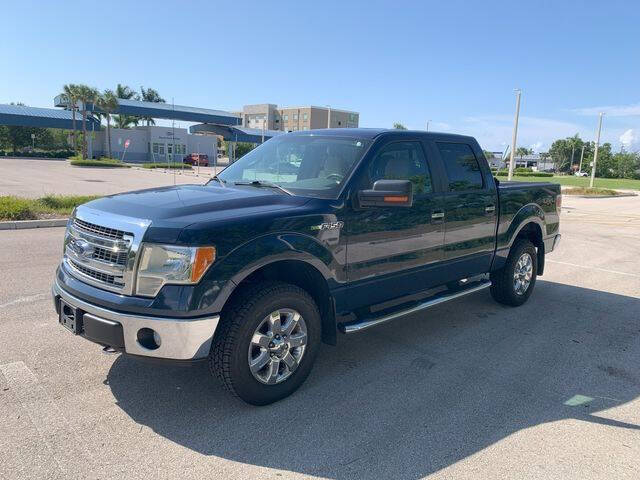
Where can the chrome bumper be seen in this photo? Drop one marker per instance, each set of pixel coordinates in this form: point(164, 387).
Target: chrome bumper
point(180, 339)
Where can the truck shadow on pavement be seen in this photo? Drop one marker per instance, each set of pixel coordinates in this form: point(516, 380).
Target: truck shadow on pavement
point(410, 398)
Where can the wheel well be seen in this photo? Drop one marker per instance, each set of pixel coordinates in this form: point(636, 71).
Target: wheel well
point(304, 276)
point(532, 232)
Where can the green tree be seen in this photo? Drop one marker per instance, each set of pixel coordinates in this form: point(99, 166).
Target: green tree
point(108, 103)
point(150, 95)
point(86, 95)
point(627, 164)
point(522, 151)
point(487, 154)
point(566, 152)
point(70, 97)
point(399, 126)
point(126, 93)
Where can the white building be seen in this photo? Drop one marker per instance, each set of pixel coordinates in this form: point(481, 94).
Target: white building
point(152, 144)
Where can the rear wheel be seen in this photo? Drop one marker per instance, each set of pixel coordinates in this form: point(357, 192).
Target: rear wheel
point(513, 284)
point(266, 343)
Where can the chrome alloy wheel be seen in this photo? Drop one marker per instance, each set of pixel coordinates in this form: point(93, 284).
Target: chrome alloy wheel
point(523, 273)
point(277, 346)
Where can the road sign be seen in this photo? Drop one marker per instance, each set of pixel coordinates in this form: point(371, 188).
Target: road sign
point(126, 143)
point(33, 136)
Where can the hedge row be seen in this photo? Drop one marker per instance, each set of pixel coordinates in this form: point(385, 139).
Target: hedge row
point(51, 154)
point(105, 162)
point(176, 166)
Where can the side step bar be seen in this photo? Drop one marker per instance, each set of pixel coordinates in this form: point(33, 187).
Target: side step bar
point(437, 299)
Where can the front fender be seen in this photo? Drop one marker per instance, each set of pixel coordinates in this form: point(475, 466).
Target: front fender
point(220, 281)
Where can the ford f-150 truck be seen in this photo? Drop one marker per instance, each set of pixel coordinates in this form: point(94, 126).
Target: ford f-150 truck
point(310, 236)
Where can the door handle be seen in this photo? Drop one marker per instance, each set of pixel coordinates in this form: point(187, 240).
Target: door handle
point(490, 208)
point(437, 215)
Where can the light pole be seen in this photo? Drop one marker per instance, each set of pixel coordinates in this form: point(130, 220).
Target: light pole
point(328, 116)
point(581, 157)
point(595, 154)
point(515, 134)
point(428, 122)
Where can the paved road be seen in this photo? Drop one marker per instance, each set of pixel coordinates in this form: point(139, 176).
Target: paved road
point(472, 389)
point(35, 178)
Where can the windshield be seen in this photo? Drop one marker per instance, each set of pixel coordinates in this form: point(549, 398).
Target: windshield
point(303, 164)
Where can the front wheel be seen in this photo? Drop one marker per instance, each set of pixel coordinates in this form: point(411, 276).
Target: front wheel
point(513, 284)
point(266, 343)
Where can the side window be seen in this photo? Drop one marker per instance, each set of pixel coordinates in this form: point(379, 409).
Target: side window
point(402, 161)
point(463, 169)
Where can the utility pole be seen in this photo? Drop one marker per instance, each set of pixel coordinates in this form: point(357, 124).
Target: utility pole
point(328, 116)
point(428, 122)
point(581, 157)
point(515, 135)
point(595, 154)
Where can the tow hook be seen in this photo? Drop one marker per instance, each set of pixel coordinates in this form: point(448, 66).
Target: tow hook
point(109, 350)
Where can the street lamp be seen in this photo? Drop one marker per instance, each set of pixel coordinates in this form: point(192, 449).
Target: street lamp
point(515, 134)
point(428, 122)
point(328, 116)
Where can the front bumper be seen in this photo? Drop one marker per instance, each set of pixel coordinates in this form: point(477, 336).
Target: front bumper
point(180, 338)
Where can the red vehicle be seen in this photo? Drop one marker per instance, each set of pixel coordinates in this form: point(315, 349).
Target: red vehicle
point(197, 159)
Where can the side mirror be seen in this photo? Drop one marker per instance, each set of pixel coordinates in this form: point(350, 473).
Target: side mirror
point(387, 193)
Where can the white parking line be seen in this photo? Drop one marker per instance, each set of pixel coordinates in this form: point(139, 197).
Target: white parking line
point(595, 268)
point(57, 435)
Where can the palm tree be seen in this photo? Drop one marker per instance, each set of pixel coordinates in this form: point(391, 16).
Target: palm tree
point(151, 95)
point(126, 93)
point(86, 95)
point(108, 103)
point(70, 97)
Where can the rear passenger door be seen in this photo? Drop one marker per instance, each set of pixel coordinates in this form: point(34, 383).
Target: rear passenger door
point(470, 211)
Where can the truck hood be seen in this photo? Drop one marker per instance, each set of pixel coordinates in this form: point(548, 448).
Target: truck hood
point(170, 209)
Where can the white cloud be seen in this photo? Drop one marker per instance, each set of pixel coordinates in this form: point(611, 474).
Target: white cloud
point(630, 110)
point(536, 147)
point(629, 138)
point(439, 126)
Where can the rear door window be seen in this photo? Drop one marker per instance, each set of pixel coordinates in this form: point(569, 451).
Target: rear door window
point(461, 165)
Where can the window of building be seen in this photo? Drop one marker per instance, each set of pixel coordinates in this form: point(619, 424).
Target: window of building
point(286, 118)
point(402, 161)
point(305, 117)
point(156, 148)
point(352, 117)
point(305, 128)
point(463, 169)
point(295, 116)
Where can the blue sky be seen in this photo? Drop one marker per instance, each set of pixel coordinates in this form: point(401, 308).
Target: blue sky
point(455, 63)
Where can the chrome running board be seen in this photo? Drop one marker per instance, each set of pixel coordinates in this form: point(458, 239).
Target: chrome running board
point(437, 299)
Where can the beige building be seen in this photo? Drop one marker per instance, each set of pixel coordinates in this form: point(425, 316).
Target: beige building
point(291, 119)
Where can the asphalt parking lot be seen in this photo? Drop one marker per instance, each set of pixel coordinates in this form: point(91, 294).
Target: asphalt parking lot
point(34, 178)
point(470, 389)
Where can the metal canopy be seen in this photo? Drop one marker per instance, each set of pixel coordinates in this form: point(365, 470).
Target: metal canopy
point(166, 111)
point(21, 116)
point(235, 134)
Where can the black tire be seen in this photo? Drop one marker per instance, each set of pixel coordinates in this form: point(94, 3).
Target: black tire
point(502, 281)
point(228, 359)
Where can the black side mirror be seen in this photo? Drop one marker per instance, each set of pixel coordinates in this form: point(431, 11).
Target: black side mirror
point(387, 193)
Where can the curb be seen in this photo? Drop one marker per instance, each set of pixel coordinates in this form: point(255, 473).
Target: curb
point(23, 224)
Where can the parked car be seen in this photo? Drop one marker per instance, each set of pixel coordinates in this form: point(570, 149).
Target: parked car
point(197, 159)
point(581, 174)
point(306, 239)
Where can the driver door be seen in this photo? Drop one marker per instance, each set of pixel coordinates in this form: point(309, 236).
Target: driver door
point(392, 250)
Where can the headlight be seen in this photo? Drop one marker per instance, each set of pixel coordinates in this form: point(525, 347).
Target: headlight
point(160, 264)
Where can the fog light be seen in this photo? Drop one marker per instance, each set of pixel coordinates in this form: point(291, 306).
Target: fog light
point(148, 338)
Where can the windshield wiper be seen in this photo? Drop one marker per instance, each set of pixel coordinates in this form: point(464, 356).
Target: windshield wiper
point(264, 183)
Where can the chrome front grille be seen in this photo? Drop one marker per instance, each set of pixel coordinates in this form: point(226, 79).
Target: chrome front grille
point(101, 249)
point(97, 275)
point(98, 229)
point(119, 258)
